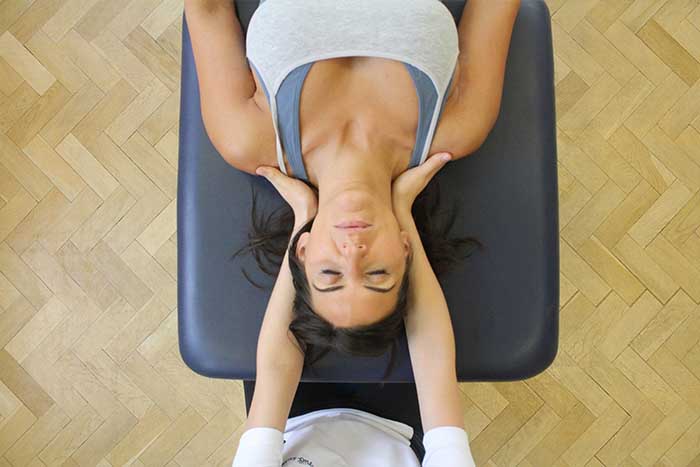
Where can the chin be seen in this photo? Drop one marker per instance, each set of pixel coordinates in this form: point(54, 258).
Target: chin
point(353, 202)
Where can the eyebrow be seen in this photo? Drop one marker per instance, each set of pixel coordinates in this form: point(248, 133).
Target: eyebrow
point(338, 287)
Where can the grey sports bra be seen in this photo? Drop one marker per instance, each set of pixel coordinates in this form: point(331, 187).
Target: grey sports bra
point(286, 37)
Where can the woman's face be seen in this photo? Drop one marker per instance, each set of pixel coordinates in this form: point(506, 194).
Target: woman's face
point(355, 259)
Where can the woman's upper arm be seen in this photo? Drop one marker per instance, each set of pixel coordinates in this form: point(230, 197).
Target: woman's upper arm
point(485, 31)
point(234, 123)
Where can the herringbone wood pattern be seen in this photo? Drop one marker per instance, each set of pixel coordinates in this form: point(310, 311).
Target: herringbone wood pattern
point(90, 373)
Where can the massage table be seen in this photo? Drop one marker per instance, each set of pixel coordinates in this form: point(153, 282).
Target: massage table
point(503, 301)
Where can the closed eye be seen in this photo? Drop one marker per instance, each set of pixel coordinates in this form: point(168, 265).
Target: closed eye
point(371, 273)
point(338, 287)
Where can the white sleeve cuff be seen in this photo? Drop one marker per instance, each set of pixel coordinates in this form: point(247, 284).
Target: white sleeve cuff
point(259, 447)
point(447, 446)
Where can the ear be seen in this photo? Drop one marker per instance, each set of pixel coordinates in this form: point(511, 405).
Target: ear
point(406, 242)
point(301, 246)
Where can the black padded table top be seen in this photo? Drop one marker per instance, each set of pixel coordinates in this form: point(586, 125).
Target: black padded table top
point(504, 300)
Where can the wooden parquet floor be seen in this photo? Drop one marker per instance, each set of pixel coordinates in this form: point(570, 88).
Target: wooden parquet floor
point(90, 372)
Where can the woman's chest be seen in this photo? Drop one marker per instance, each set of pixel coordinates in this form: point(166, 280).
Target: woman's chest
point(375, 91)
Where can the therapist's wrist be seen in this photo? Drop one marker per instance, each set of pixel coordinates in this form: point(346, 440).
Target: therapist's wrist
point(403, 214)
point(404, 217)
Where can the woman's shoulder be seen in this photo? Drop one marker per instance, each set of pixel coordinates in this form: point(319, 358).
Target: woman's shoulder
point(252, 144)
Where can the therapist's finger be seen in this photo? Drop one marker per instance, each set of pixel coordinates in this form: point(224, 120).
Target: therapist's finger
point(427, 170)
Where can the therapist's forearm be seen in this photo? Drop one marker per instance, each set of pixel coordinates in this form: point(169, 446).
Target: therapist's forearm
point(277, 348)
point(430, 340)
point(279, 360)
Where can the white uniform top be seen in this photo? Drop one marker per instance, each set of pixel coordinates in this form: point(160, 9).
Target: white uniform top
point(350, 438)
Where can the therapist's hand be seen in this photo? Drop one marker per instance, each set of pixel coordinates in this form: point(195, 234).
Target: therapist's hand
point(407, 186)
point(300, 197)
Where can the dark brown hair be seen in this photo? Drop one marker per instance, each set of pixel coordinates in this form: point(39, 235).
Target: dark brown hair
point(268, 240)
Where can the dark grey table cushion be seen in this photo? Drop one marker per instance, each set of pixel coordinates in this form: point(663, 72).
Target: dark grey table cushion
point(504, 301)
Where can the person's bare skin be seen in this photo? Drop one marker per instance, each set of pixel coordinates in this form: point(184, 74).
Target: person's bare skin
point(375, 94)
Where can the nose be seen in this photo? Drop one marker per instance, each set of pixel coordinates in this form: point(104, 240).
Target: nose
point(353, 251)
point(353, 247)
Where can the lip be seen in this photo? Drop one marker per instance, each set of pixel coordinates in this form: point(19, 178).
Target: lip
point(353, 225)
point(352, 229)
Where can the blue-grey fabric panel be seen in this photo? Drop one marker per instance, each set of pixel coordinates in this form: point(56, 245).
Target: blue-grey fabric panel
point(288, 98)
point(427, 98)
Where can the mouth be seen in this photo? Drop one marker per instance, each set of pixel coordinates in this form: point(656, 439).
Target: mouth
point(354, 225)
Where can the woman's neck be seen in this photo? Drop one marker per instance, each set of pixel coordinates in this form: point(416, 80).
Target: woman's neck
point(355, 159)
